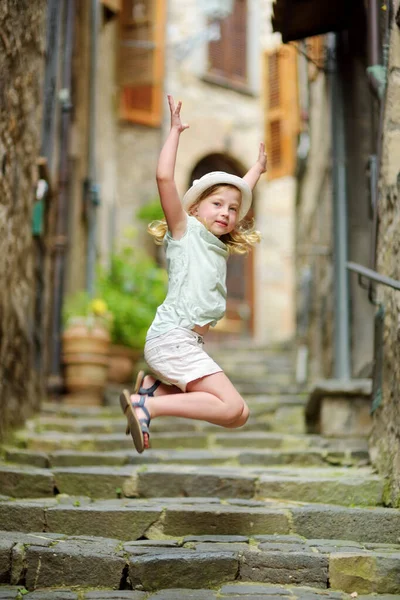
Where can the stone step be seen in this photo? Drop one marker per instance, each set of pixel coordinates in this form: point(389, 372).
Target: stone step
point(132, 519)
point(48, 441)
point(305, 457)
point(305, 484)
point(198, 562)
point(235, 591)
point(117, 425)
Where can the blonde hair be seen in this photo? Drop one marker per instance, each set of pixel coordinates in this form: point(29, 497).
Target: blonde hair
point(239, 241)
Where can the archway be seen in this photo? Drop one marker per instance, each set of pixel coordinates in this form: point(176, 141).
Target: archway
point(239, 318)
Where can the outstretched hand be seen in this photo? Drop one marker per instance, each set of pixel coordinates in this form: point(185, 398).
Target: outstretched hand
point(176, 115)
point(262, 158)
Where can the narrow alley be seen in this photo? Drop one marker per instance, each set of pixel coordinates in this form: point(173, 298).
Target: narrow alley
point(266, 511)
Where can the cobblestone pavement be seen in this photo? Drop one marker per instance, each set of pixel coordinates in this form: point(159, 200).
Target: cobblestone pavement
point(267, 511)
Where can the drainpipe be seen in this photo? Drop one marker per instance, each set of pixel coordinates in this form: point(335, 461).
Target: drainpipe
point(341, 286)
point(92, 196)
point(60, 243)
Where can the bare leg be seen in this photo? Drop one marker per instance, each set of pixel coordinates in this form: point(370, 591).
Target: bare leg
point(212, 398)
point(163, 389)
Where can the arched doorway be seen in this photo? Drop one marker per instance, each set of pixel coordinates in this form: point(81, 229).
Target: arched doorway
point(239, 318)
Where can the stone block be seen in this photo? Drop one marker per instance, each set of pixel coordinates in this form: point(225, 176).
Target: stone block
point(390, 167)
point(365, 574)
point(253, 590)
point(23, 482)
point(285, 568)
point(395, 49)
point(96, 482)
point(356, 524)
point(393, 95)
point(324, 488)
point(18, 516)
point(224, 520)
point(104, 520)
point(70, 563)
point(189, 569)
point(115, 595)
point(26, 457)
point(289, 419)
point(5, 560)
point(10, 592)
point(193, 481)
point(340, 408)
point(181, 594)
point(52, 595)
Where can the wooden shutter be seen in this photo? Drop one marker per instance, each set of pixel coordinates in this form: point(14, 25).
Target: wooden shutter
point(281, 110)
point(228, 55)
point(141, 60)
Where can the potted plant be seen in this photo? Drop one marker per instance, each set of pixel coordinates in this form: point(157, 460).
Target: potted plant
point(86, 343)
point(132, 286)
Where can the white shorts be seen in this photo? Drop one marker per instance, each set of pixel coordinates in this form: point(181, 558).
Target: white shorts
point(177, 357)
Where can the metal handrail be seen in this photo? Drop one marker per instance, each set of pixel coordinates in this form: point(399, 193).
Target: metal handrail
point(373, 275)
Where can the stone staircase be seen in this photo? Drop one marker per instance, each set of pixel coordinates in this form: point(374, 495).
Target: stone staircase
point(266, 511)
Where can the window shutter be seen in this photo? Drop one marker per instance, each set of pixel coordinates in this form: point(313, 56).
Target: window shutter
point(228, 55)
point(281, 110)
point(140, 60)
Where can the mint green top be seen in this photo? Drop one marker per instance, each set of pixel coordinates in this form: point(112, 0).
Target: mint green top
point(196, 266)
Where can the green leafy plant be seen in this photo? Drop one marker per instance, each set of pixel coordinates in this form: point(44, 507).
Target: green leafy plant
point(132, 287)
point(91, 310)
point(151, 211)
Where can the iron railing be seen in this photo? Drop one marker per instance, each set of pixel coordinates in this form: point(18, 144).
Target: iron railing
point(372, 276)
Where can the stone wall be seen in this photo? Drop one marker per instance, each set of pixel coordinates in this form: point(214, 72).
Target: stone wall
point(385, 439)
point(225, 121)
point(21, 66)
point(314, 241)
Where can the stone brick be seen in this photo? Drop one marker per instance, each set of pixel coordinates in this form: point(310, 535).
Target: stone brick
point(15, 516)
point(102, 520)
point(224, 521)
point(285, 568)
point(363, 525)
point(5, 560)
point(390, 166)
point(194, 481)
point(181, 594)
point(365, 574)
point(189, 569)
point(393, 95)
point(70, 563)
point(24, 482)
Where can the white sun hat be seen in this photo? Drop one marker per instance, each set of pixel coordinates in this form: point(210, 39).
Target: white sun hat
point(214, 178)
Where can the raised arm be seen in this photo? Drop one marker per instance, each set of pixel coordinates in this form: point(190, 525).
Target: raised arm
point(254, 174)
point(170, 201)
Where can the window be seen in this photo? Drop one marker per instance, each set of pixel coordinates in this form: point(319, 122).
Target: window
point(281, 110)
point(227, 57)
point(141, 60)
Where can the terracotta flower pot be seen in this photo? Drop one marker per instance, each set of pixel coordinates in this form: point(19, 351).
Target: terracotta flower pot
point(86, 350)
point(122, 363)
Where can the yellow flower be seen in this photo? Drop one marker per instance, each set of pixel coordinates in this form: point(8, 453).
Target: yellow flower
point(98, 306)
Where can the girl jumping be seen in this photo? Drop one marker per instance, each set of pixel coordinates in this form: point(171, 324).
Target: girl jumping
point(199, 232)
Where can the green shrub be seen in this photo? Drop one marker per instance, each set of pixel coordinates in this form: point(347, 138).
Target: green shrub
point(132, 288)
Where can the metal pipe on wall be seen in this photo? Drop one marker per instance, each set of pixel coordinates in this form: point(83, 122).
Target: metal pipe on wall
point(342, 368)
point(60, 242)
point(92, 195)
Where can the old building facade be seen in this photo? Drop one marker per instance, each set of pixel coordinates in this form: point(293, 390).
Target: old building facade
point(347, 205)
